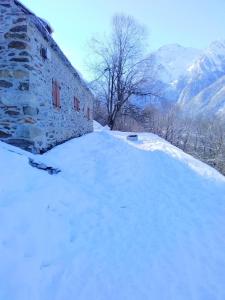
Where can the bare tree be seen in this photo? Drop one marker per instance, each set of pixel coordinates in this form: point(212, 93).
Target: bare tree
point(120, 67)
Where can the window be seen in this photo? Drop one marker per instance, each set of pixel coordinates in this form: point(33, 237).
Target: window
point(76, 104)
point(43, 52)
point(88, 113)
point(56, 94)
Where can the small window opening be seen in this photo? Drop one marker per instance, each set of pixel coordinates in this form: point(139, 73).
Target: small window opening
point(56, 94)
point(88, 114)
point(44, 53)
point(76, 104)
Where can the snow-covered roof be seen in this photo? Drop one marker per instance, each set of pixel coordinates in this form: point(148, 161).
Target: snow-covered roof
point(46, 30)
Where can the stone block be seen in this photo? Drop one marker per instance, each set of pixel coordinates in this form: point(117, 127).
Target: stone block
point(4, 135)
point(23, 86)
point(19, 28)
point(20, 59)
point(28, 131)
point(19, 36)
point(12, 112)
point(29, 110)
point(19, 20)
point(18, 74)
point(17, 45)
point(5, 74)
point(22, 143)
point(5, 84)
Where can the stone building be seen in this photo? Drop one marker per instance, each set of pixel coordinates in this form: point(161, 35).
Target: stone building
point(43, 99)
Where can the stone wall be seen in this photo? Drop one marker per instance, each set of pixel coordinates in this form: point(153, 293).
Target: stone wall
point(14, 72)
point(28, 118)
point(57, 124)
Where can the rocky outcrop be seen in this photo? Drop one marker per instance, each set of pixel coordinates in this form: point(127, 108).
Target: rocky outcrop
point(44, 167)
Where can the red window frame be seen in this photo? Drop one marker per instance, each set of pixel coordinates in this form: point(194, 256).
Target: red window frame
point(76, 104)
point(88, 114)
point(56, 94)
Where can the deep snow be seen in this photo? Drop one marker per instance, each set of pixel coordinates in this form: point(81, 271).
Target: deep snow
point(121, 221)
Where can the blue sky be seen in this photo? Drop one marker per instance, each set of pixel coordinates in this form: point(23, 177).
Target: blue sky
point(192, 23)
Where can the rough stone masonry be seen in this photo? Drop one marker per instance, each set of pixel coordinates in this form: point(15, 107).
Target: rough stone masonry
point(43, 99)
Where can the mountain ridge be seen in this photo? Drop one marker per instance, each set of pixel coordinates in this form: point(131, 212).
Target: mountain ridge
point(187, 74)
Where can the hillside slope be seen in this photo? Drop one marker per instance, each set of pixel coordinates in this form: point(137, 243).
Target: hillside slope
point(211, 100)
point(121, 221)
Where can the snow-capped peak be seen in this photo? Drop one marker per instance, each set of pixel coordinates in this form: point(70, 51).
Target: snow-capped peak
point(184, 72)
point(217, 47)
point(211, 60)
point(173, 61)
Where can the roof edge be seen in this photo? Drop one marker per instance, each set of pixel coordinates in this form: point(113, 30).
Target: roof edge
point(38, 22)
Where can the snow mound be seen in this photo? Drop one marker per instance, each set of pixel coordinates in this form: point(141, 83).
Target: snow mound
point(123, 220)
point(97, 126)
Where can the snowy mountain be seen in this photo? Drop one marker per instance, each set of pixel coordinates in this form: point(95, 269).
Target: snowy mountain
point(170, 64)
point(123, 220)
point(185, 75)
point(210, 100)
point(173, 61)
point(205, 77)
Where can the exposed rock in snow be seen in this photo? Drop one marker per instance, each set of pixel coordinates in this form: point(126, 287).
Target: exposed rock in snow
point(44, 167)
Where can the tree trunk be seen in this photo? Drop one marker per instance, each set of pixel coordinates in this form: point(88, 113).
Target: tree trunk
point(111, 122)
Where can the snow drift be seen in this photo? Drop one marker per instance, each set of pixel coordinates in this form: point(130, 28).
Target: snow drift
point(122, 220)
